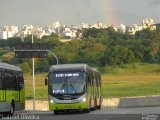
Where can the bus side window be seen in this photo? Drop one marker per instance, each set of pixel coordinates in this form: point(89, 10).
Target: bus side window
point(7, 81)
point(10, 81)
point(16, 82)
point(92, 79)
point(88, 79)
point(20, 80)
point(96, 80)
point(0, 81)
point(100, 81)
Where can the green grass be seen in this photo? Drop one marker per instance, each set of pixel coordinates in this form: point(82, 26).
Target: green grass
point(136, 68)
point(131, 80)
point(40, 88)
point(124, 81)
point(131, 85)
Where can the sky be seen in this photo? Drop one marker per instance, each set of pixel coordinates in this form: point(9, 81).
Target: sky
point(75, 12)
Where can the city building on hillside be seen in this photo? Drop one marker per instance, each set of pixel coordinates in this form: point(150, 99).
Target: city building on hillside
point(57, 28)
point(83, 25)
point(27, 30)
point(70, 32)
point(122, 28)
point(8, 31)
point(1, 34)
point(97, 25)
point(146, 23)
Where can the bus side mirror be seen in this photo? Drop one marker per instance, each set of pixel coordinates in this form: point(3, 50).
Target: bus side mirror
point(46, 81)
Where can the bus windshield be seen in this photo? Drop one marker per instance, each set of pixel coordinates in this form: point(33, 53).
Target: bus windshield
point(66, 82)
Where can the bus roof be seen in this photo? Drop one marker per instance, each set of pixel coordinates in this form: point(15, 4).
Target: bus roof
point(94, 69)
point(61, 67)
point(9, 67)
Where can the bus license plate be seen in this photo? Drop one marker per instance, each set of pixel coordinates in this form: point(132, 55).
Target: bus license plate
point(67, 106)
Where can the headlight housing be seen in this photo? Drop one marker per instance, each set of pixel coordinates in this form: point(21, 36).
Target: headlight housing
point(51, 101)
point(83, 99)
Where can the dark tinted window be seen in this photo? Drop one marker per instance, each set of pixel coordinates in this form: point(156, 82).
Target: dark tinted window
point(21, 80)
point(2, 84)
point(12, 81)
point(0, 81)
point(9, 81)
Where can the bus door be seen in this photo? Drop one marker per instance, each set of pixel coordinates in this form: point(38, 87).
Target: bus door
point(2, 88)
point(12, 91)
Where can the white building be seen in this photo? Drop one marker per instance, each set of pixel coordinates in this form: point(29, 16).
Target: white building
point(1, 35)
point(4, 35)
point(97, 25)
point(135, 28)
point(27, 30)
point(146, 23)
point(122, 28)
point(83, 25)
point(38, 31)
point(9, 31)
point(70, 32)
point(56, 28)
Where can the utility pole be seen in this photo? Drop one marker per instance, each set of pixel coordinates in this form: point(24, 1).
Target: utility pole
point(33, 77)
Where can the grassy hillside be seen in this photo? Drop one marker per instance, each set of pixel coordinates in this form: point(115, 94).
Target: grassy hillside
point(123, 81)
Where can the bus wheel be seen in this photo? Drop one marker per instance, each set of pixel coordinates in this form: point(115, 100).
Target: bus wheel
point(86, 110)
point(56, 112)
point(99, 107)
point(95, 104)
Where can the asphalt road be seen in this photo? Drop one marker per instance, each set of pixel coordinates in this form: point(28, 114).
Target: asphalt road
point(146, 113)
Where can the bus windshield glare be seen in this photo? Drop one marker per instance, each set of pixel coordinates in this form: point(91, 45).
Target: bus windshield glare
point(66, 82)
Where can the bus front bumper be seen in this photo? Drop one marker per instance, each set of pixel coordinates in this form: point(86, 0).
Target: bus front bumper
point(69, 106)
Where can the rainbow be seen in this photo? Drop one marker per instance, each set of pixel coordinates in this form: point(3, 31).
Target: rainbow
point(109, 12)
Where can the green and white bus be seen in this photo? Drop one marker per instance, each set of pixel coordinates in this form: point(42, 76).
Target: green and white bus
point(74, 87)
point(12, 93)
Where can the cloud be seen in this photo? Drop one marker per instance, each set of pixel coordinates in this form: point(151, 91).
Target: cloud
point(88, 2)
point(154, 2)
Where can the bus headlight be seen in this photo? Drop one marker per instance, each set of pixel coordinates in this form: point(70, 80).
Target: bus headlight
point(51, 101)
point(83, 99)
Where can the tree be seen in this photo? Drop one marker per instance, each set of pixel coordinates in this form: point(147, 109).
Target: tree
point(42, 65)
point(12, 41)
point(28, 39)
point(25, 67)
point(118, 55)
